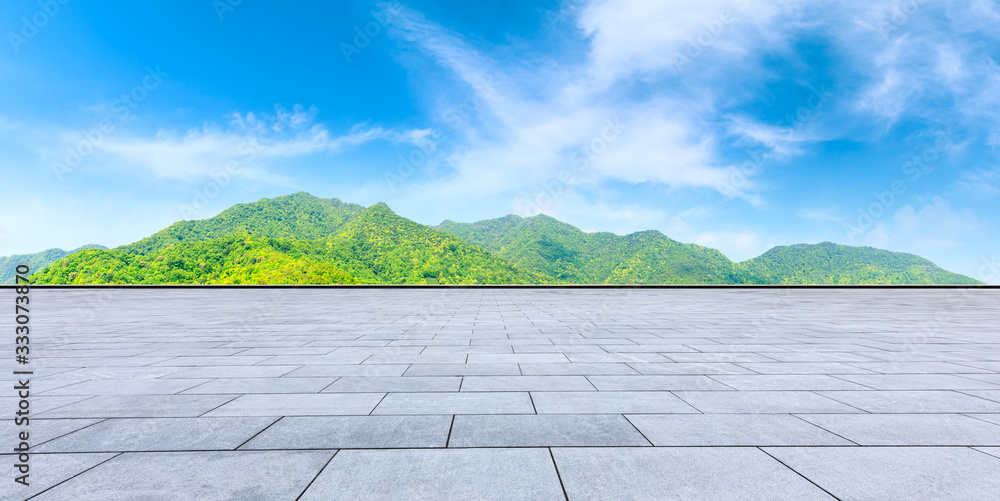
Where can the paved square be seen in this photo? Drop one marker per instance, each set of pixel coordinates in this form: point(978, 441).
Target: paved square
point(513, 393)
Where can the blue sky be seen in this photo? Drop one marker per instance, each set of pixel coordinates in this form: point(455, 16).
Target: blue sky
point(735, 124)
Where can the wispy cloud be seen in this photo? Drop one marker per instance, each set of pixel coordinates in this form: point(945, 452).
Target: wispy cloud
point(255, 140)
point(934, 225)
point(823, 215)
point(570, 126)
point(982, 182)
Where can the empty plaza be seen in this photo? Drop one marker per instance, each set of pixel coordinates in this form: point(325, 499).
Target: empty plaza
point(511, 393)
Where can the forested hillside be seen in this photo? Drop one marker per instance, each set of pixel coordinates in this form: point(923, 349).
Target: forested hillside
point(546, 245)
point(829, 263)
point(301, 239)
point(549, 246)
point(35, 262)
point(300, 216)
point(372, 245)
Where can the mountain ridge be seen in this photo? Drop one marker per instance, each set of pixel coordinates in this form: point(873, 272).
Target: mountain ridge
point(333, 240)
point(36, 261)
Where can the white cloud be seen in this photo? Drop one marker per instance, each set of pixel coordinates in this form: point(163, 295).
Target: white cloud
point(736, 245)
point(580, 131)
point(248, 139)
point(819, 214)
point(935, 225)
point(635, 37)
point(980, 182)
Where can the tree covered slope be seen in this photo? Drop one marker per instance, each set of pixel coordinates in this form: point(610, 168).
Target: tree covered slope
point(234, 259)
point(372, 245)
point(299, 216)
point(301, 239)
point(548, 246)
point(569, 255)
point(829, 263)
point(35, 262)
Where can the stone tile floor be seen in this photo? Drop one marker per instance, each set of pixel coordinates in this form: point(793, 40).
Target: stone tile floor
point(512, 393)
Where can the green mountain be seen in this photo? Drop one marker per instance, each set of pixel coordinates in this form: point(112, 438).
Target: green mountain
point(287, 240)
point(300, 216)
point(233, 259)
point(551, 247)
point(301, 239)
point(37, 261)
point(829, 263)
point(394, 249)
point(548, 246)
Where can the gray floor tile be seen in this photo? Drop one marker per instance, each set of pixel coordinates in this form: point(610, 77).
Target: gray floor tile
point(323, 404)
point(407, 359)
point(348, 370)
point(128, 387)
point(122, 406)
point(612, 402)
point(989, 378)
point(731, 430)
point(260, 385)
point(354, 432)
point(894, 473)
point(917, 382)
point(657, 383)
point(594, 430)
point(456, 403)
point(210, 361)
point(463, 370)
point(604, 358)
point(678, 368)
point(575, 369)
point(160, 434)
point(993, 395)
point(518, 358)
point(787, 382)
point(501, 474)
point(908, 429)
point(804, 368)
point(43, 430)
point(919, 367)
point(382, 384)
point(207, 476)
point(46, 471)
point(527, 383)
point(762, 402)
point(990, 418)
point(223, 372)
point(935, 402)
point(688, 474)
point(706, 358)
